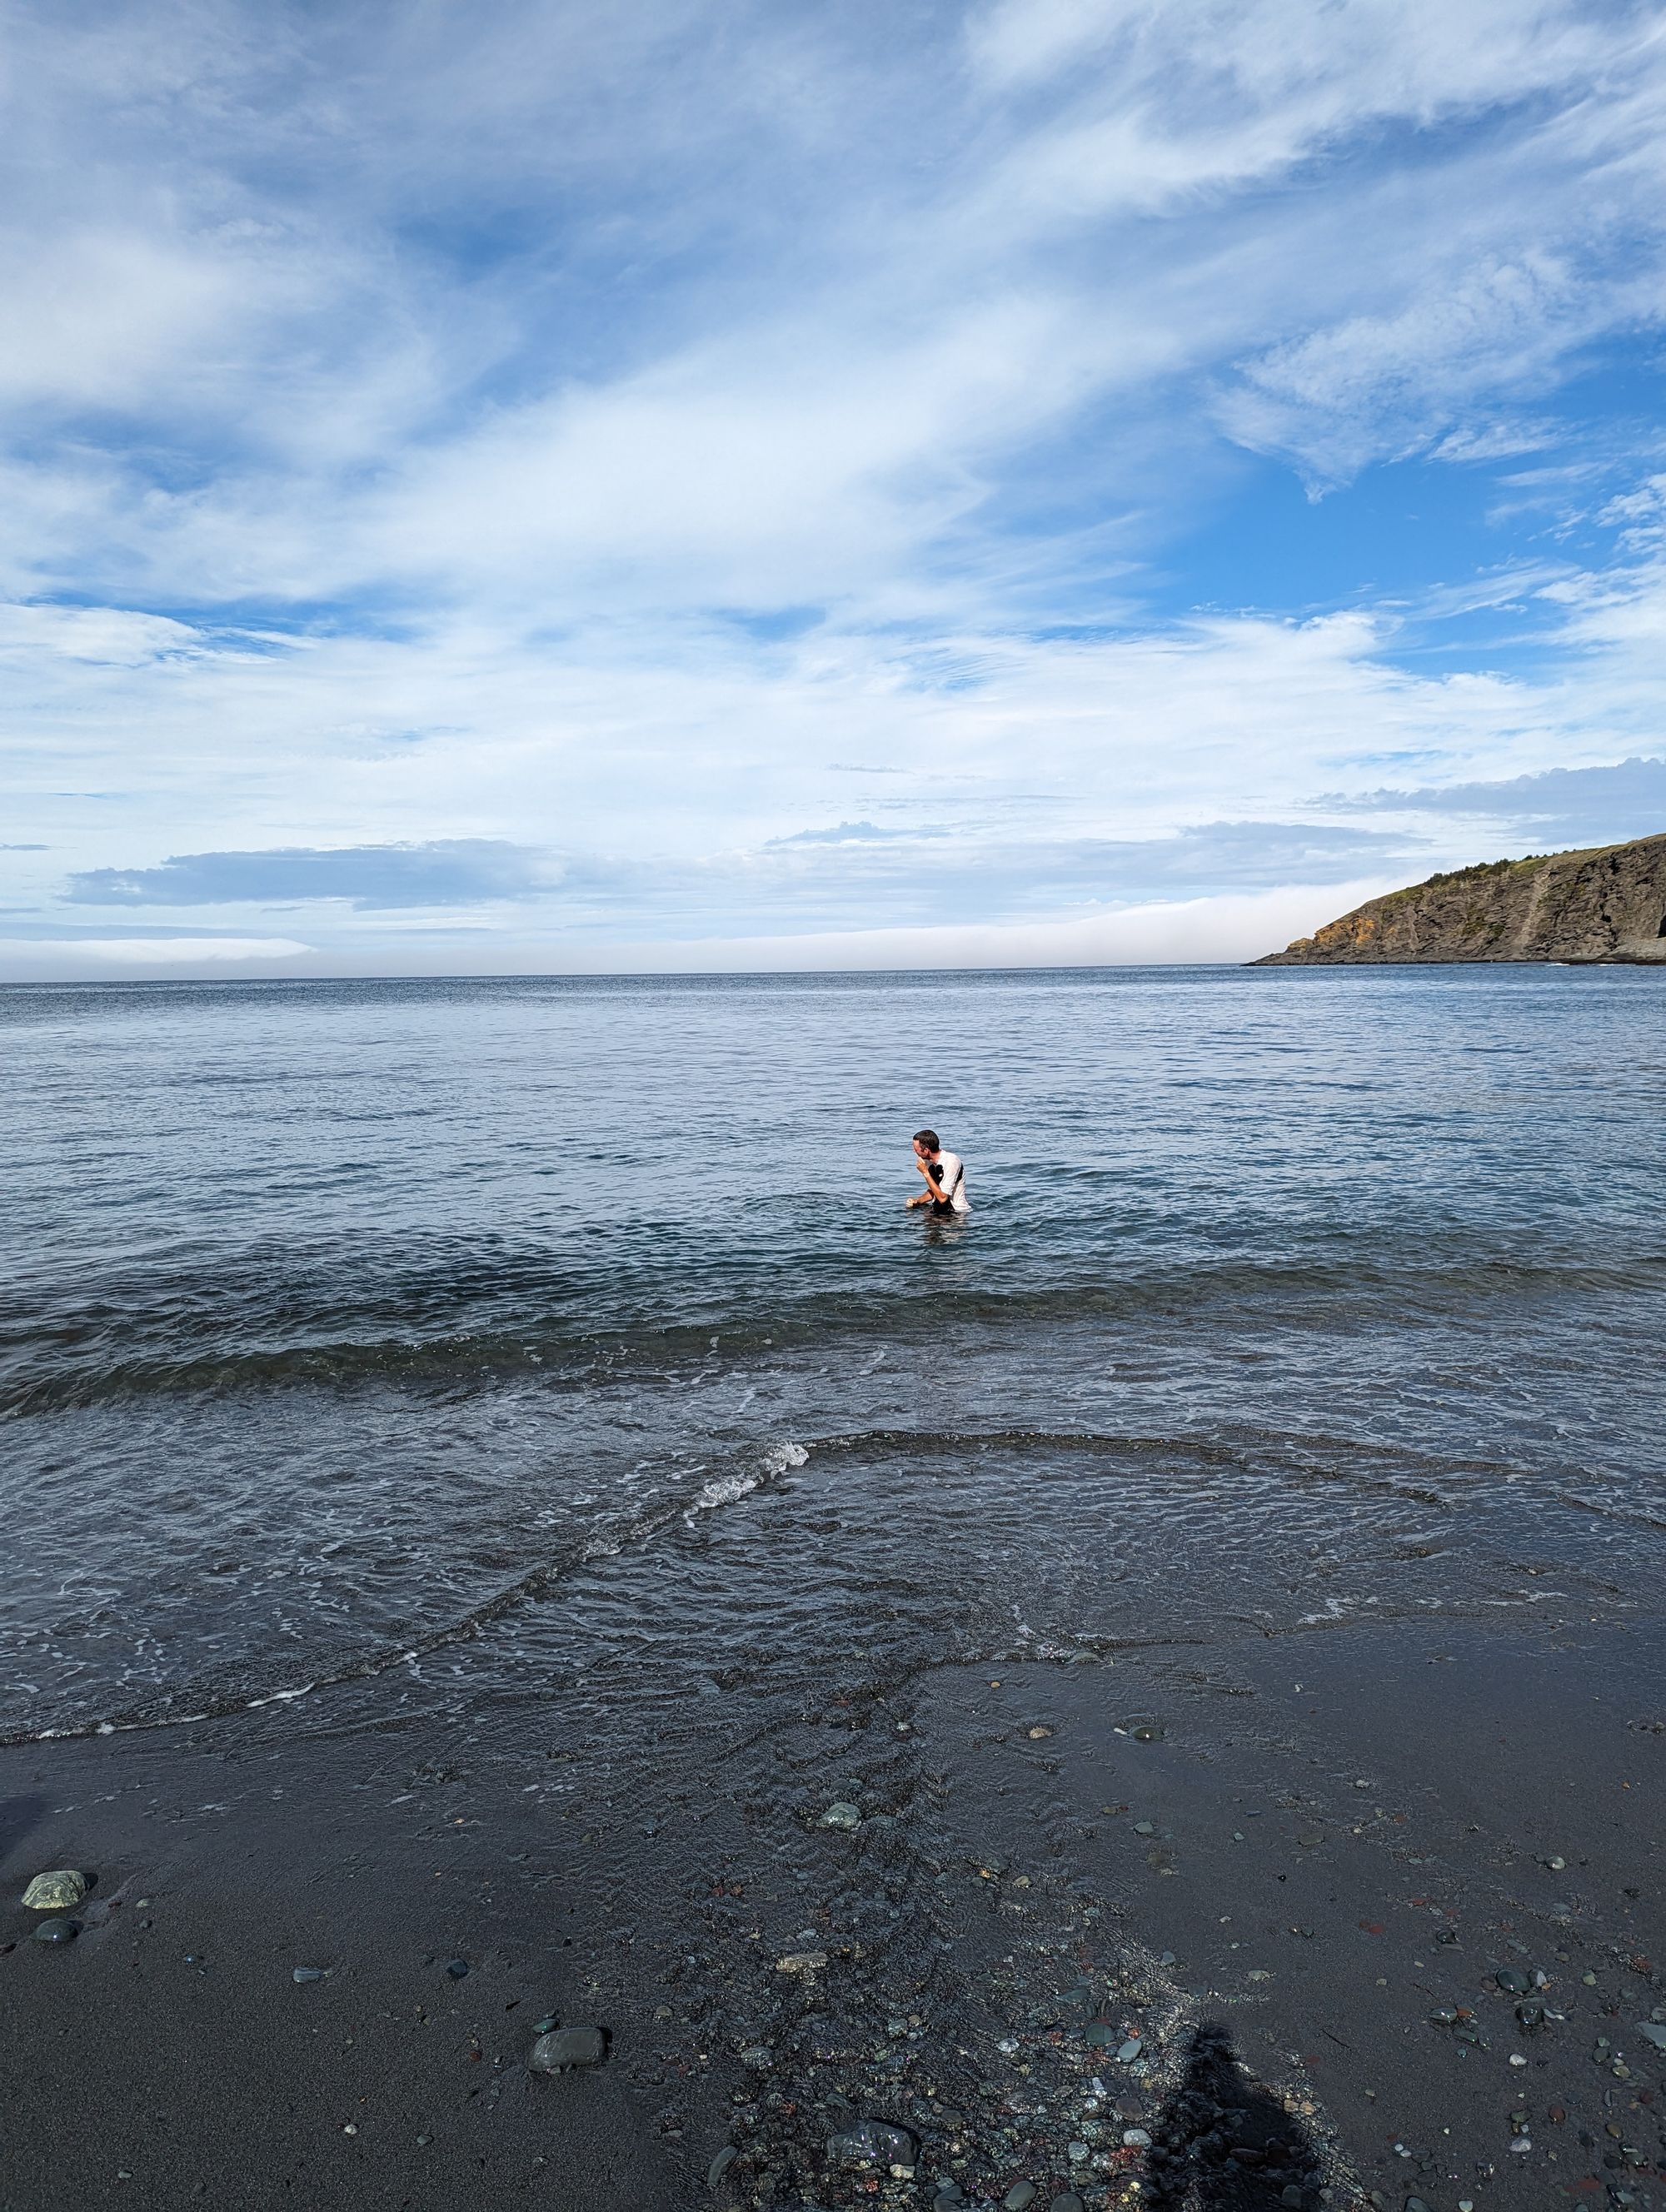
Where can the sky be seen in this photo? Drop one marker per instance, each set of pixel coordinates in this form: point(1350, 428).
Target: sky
point(739, 483)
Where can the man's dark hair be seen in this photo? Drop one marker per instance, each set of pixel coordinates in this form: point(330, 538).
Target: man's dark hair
point(929, 1139)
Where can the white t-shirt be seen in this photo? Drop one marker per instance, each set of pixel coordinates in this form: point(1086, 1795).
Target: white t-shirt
point(952, 1180)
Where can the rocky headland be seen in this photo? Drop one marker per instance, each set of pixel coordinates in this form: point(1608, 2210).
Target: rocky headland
point(1605, 904)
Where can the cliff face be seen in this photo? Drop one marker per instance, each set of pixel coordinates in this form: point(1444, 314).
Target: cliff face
point(1608, 903)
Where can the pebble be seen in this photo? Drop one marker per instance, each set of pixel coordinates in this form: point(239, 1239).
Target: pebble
point(307, 1974)
point(1136, 2139)
point(457, 1968)
point(870, 2143)
point(949, 2192)
point(1653, 2034)
point(757, 2054)
point(1148, 1733)
point(1129, 2051)
point(802, 1962)
point(1145, 1828)
point(567, 2048)
point(1516, 1981)
point(58, 1892)
point(58, 1931)
point(841, 1814)
point(1020, 2195)
point(1099, 2037)
point(1416, 2204)
point(1069, 2203)
point(721, 2165)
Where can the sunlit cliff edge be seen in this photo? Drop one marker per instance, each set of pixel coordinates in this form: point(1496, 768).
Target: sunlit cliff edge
point(1605, 904)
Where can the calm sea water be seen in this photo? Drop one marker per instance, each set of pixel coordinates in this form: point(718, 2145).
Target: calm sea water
point(449, 1339)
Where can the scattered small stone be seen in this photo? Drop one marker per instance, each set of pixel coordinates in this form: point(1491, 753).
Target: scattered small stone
point(757, 2054)
point(567, 2049)
point(457, 1968)
point(1069, 2203)
point(721, 2165)
point(1099, 2037)
point(1416, 2204)
point(1652, 2032)
point(841, 1815)
point(1129, 2051)
point(1512, 1978)
point(1148, 1732)
point(1136, 2139)
point(949, 2192)
point(61, 1891)
point(871, 2143)
point(802, 1962)
point(543, 2027)
point(1077, 2153)
point(307, 1974)
point(1020, 2195)
point(1036, 1734)
point(58, 1931)
point(1145, 1828)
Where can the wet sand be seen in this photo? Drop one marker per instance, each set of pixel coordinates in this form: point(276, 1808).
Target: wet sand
point(1269, 1861)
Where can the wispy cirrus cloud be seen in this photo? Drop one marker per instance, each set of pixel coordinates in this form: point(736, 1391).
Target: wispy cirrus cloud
point(597, 434)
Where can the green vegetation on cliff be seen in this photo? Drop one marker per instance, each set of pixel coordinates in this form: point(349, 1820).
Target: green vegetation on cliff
point(1605, 904)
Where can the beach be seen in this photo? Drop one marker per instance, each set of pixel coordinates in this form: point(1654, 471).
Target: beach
point(1022, 1866)
point(1153, 1695)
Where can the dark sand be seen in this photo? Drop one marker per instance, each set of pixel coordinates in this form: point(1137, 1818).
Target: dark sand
point(1322, 1809)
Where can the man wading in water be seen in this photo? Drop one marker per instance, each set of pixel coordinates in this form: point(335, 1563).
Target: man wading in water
point(944, 1174)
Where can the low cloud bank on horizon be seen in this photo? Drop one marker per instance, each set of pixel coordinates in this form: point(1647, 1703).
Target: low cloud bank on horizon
point(1044, 480)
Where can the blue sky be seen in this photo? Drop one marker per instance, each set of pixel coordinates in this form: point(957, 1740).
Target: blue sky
point(560, 487)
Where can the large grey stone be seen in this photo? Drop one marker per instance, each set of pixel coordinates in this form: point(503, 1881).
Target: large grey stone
point(567, 2048)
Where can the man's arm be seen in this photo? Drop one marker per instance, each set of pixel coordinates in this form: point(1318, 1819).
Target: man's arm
point(929, 1169)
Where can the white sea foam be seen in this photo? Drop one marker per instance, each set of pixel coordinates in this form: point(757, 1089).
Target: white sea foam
point(724, 1489)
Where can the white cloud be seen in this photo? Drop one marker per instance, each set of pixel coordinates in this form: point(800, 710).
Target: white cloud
point(431, 412)
point(49, 959)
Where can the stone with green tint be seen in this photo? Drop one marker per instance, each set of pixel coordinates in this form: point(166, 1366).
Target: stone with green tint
point(58, 1892)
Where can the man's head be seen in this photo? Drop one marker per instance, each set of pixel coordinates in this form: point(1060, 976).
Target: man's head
point(926, 1144)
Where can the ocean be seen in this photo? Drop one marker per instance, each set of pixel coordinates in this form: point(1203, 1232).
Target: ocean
point(370, 1348)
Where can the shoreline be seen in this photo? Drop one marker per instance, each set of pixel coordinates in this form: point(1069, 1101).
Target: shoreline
point(1022, 1866)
